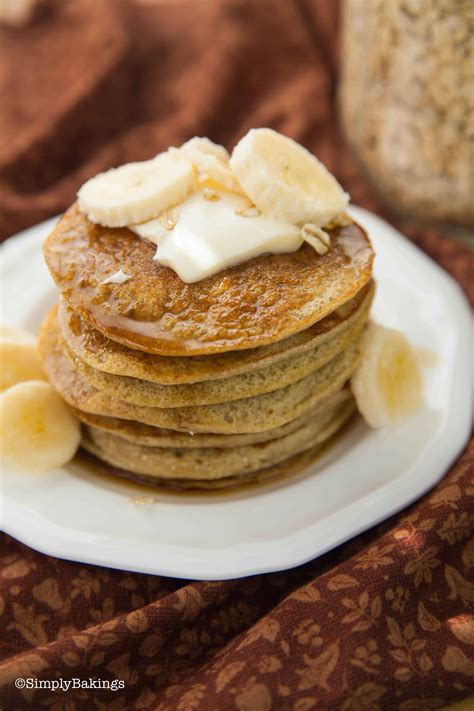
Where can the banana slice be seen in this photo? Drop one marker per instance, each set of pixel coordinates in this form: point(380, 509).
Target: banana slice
point(38, 432)
point(18, 358)
point(388, 384)
point(212, 162)
point(17, 13)
point(137, 192)
point(285, 181)
point(10, 331)
point(202, 146)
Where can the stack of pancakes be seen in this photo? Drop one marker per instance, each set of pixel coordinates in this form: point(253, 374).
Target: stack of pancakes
point(229, 379)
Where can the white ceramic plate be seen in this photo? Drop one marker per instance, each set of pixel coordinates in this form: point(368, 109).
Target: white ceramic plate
point(367, 476)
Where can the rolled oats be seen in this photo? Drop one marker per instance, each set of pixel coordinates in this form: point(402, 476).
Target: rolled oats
point(407, 95)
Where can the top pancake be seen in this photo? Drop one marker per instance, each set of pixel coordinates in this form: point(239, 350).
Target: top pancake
point(255, 303)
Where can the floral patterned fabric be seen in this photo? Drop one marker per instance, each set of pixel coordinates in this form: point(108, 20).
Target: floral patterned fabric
point(382, 623)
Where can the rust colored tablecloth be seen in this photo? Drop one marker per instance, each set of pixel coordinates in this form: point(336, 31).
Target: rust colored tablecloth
point(382, 623)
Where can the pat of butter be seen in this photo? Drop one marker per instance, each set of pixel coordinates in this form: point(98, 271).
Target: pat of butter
point(211, 235)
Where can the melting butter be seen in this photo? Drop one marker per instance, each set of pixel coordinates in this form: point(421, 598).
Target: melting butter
point(211, 235)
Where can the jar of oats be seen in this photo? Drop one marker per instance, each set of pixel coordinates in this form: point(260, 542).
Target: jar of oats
point(406, 97)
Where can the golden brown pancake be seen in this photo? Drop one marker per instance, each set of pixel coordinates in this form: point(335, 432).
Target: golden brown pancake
point(149, 436)
point(255, 414)
point(147, 467)
point(255, 303)
point(236, 387)
point(103, 354)
point(213, 463)
point(290, 467)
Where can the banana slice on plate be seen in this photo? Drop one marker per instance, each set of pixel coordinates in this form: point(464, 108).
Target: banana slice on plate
point(10, 331)
point(388, 384)
point(212, 162)
point(19, 359)
point(285, 181)
point(38, 432)
point(137, 192)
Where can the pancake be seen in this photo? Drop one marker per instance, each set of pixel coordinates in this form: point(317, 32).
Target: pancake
point(257, 382)
point(212, 463)
point(290, 467)
point(256, 414)
point(147, 435)
point(255, 303)
point(103, 354)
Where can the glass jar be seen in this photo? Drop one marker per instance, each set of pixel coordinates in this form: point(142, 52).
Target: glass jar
point(406, 98)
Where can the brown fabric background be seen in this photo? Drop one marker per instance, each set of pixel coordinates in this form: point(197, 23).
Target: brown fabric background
point(382, 623)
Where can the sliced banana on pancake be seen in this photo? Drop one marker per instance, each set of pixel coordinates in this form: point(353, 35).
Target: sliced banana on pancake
point(137, 192)
point(19, 359)
point(212, 162)
point(286, 181)
point(38, 431)
point(203, 146)
point(388, 384)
